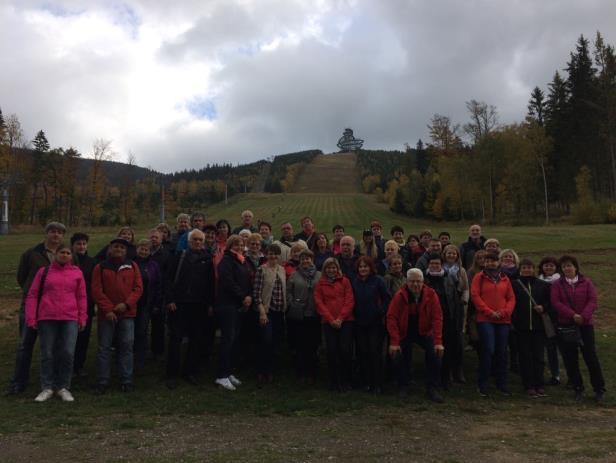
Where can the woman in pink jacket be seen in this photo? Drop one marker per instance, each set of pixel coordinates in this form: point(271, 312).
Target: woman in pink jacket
point(574, 298)
point(56, 306)
point(334, 301)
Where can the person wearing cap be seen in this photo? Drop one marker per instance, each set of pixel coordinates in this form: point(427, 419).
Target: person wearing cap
point(125, 233)
point(434, 247)
point(79, 246)
point(247, 224)
point(377, 232)
point(116, 288)
point(30, 262)
point(494, 301)
point(189, 295)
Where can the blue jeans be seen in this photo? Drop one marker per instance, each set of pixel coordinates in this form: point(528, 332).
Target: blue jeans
point(494, 340)
point(227, 317)
point(126, 337)
point(58, 339)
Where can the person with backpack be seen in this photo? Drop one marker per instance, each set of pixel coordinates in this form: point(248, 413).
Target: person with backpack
point(56, 306)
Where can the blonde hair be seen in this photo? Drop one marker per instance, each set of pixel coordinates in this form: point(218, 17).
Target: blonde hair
point(329, 262)
point(254, 237)
point(516, 258)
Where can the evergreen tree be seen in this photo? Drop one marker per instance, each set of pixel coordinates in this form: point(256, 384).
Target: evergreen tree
point(422, 157)
point(536, 106)
point(41, 145)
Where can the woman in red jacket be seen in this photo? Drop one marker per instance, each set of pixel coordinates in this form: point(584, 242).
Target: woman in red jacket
point(334, 301)
point(494, 301)
point(57, 307)
point(574, 298)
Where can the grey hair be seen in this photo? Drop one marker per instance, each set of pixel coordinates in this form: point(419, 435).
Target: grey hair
point(194, 230)
point(414, 271)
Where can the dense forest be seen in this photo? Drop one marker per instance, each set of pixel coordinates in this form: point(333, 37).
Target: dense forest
point(560, 161)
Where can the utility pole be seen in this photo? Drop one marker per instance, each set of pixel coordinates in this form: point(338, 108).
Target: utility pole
point(4, 217)
point(162, 200)
point(226, 192)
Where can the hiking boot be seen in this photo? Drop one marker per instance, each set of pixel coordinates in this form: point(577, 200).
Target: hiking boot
point(65, 395)
point(483, 392)
point(532, 393)
point(541, 392)
point(434, 396)
point(45, 394)
point(599, 396)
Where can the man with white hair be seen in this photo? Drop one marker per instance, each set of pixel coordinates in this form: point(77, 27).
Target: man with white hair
point(347, 257)
point(415, 317)
point(247, 224)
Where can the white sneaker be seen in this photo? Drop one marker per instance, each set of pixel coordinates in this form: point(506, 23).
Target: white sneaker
point(234, 380)
point(225, 383)
point(44, 395)
point(65, 395)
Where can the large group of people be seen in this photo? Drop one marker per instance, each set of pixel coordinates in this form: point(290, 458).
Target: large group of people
point(371, 301)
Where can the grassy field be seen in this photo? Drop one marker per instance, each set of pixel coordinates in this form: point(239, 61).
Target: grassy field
point(289, 421)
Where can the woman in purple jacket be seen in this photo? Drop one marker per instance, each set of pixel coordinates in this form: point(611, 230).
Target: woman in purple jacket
point(56, 306)
point(575, 300)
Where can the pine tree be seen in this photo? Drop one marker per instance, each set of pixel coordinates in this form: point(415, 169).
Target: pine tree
point(536, 106)
point(41, 145)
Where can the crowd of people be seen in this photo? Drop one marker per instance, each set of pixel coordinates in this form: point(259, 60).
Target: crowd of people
point(371, 301)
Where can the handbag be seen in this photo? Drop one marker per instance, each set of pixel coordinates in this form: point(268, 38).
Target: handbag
point(548, 325)
point(570, 334)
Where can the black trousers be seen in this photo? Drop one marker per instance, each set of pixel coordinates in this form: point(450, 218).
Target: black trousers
point(403, 361)
point(157, 321)
point(83, 340)
point(227, 318)
point(569, 352)
point(187, 321)
point(23, 358)
point(339, 345)
point(306, 337)
point(531, 354)
point(370, 351)
point(451, 363)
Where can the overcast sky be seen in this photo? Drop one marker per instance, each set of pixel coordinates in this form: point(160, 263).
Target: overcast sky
point(186, 82)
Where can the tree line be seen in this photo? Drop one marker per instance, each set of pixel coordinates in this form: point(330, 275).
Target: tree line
point(559, 161)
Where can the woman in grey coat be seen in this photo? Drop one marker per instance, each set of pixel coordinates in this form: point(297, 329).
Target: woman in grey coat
point(303, 322)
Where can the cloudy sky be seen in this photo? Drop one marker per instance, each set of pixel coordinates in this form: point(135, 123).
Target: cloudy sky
point(186, 82)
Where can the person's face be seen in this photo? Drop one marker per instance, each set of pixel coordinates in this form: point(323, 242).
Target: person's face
point(295, 254)
point(527, 270)
point(548, 269)
point(569, 270)
point(445, 240)
point(331, 271)
point(198, 222)
point(63, 256)
point(363, 270)
point(435, 265)
point(435, 247)
point(481, 261)
point(322, 242)
point(272, 258)
point(55, 236)
point(117, 251)
point(413, 243)
point(254, 246)
point(245, 240)
point(346, 247)
point(368, 239)
point(223, 230)
point(377, 231)
point(425, 240)
point(307, 226)
point(155, 239)
point(80, 247)
point(247, 220)
point(396, 266)
point(287, 231)
point(196, 241)
point(237, 247)
point(210, 237)
point(398, 236)
point(305, 261)
point(338, 234)
point(164, 234)
point(415, 284)
point(390, 250)
point(491, 247)
point(143, 251)
point(451, 256)
point(474, 232)
point(126, 235)
point(265, 232)
point(507, 260)
point(183, 225)
point(491, 264)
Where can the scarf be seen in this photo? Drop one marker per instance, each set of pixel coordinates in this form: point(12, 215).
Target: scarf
point(572, 281)
point(238, 256)
point(550, 279)
point(509, 271)
point(436, 274)
point(308, 274)
point(494, 274)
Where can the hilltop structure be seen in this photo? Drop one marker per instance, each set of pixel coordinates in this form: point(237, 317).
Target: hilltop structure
point(348, 142)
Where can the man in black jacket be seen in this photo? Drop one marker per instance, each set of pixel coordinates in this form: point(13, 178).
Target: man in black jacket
point(474, 243)
point(31, 261)
point(79, 245)
point(189, 295)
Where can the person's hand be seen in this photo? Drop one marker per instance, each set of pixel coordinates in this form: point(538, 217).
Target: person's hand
point(263, 320)
point(171, 307)
point(394, 350)
point(496, 315)
point(112, 317)
point(538, 308)
point(578, 319)
point(247, 301)
point(120, 308)
point(439, 350)
point(338, 323)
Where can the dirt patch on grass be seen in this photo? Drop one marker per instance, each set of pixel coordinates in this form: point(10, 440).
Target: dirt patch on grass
point(409, 433)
